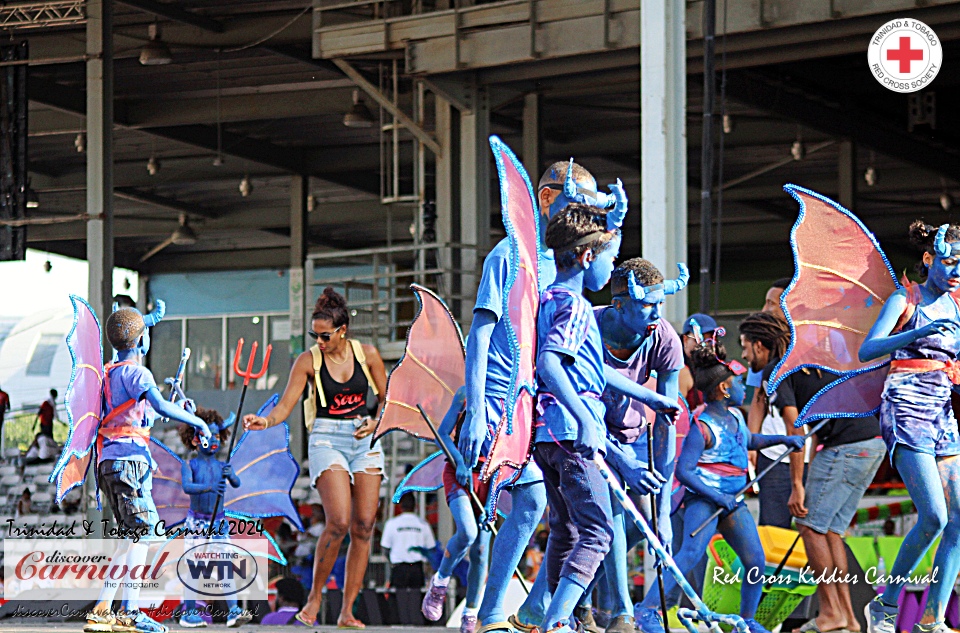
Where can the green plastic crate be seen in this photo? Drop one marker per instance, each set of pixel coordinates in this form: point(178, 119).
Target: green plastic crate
point(778, 601)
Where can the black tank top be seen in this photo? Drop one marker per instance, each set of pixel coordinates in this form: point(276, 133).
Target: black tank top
point(344, 399)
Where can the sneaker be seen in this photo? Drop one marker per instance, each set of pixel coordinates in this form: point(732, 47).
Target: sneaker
point(432, 606)
point(192, 621)
point(561, 627)
point(603, 618)
point(648, 620)
point(238, 617)
point(138, 622)
point(99, 622)
point(754, 626)
point(468, 622)
point(584, 615)
point(936, 627)
point(622, 624)
point(880, 617)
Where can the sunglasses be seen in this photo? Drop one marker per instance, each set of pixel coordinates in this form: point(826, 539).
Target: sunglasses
point(323, 336)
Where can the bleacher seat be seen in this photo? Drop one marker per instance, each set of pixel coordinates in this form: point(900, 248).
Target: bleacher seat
point(10, 469)
point(11, 480)
point(42, 497)
point(29, 519)
point(45, 469)
point(298, 494)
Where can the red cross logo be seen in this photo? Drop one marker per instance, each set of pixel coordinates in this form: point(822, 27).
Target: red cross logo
point(905, 54)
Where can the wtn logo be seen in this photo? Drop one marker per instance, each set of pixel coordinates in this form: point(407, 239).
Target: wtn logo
point(226, 570)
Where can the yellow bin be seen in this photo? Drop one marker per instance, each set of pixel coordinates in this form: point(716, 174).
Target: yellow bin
point(776, 541)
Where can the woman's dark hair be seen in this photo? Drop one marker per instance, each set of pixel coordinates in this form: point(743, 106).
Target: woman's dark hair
point(574, 223)
point(210, 416)
point(708, 371)
point(331, 306)
point(770, 330)
point(922, 235)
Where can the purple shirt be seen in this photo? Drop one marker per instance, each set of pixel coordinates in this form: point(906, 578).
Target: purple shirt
point(661, 351)
point(282, 616)
point(566, 326)
point(129, 382)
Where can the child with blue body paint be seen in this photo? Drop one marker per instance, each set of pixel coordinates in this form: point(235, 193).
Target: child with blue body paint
point(205, 479)
point(637, 343)
point(132, 403)
point(919, 326)
point(713, 467)
point(570, 428)
point(458, 481)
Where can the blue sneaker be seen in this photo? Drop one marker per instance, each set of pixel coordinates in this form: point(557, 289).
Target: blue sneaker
point(880, 617)
point(238, 617)
point(754, 626)
point(649, 620)
point(192, 621)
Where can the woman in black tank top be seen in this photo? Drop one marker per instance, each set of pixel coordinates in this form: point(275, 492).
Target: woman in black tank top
point(344, 399)
point(344, 468)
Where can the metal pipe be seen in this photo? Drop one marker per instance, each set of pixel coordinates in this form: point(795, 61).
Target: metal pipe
point(706, 151)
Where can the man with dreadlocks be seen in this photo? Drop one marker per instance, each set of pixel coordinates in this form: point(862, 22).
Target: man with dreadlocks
point(764, 337)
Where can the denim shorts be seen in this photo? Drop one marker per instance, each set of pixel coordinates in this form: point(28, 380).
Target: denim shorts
point(332, 445)
point(128, 485)
point(836, 480)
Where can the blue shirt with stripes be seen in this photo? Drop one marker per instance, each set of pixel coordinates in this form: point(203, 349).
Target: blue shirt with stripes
point(566, 326)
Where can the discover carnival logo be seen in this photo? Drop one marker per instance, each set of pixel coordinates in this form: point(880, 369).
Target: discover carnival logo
point(905, 55)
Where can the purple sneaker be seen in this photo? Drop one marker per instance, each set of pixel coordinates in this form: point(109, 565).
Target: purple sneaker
point(468, 623)
point(432, 607)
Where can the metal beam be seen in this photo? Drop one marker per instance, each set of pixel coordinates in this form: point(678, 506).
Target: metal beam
point(163, 202)
point(175, 13)
point(820, 111)
point(422, 135)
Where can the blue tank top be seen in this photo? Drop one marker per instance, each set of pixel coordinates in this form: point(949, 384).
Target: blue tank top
point(941, 347)
point(723, 466)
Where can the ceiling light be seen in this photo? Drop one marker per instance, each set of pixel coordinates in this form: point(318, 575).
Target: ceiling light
point(155, 52)
point(946, 201)
point(153, 166)
point(183, 235)
point(80, 142)
point(870, 176)
point(33, 200)
point(727, 124)
point(311, 203)
point(218, 161)
point(359, 115)
point(798, 150)
point(47, 266)
point(246, 187)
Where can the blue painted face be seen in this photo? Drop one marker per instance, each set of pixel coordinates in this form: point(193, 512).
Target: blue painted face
point(598, 274)
point(737, 391)
point(641, 316)
point(213, 445)
point(144, 344)
point(944, 273)
point(586, 187)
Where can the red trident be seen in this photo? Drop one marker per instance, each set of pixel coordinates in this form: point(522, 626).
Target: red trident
point(247, 375)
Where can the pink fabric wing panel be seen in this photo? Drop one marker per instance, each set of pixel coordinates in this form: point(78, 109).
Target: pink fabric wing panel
point(512, 441)
point(83, 399)
point(842, 281)
point(429, 373)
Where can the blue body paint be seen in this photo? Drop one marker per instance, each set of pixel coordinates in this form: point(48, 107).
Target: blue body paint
point(204, 478)
point(917, 420)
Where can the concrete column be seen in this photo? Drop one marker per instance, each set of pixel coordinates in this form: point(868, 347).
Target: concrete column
point(663, 163)
point(663, 149)
point(475, 159)
point(531, 137)
point(847, 174)
point(299, 189)
point(99, 176)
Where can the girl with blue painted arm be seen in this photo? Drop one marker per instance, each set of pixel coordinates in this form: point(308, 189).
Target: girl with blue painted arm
point(919, 326)
point(458, 480)
point(713, 467)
